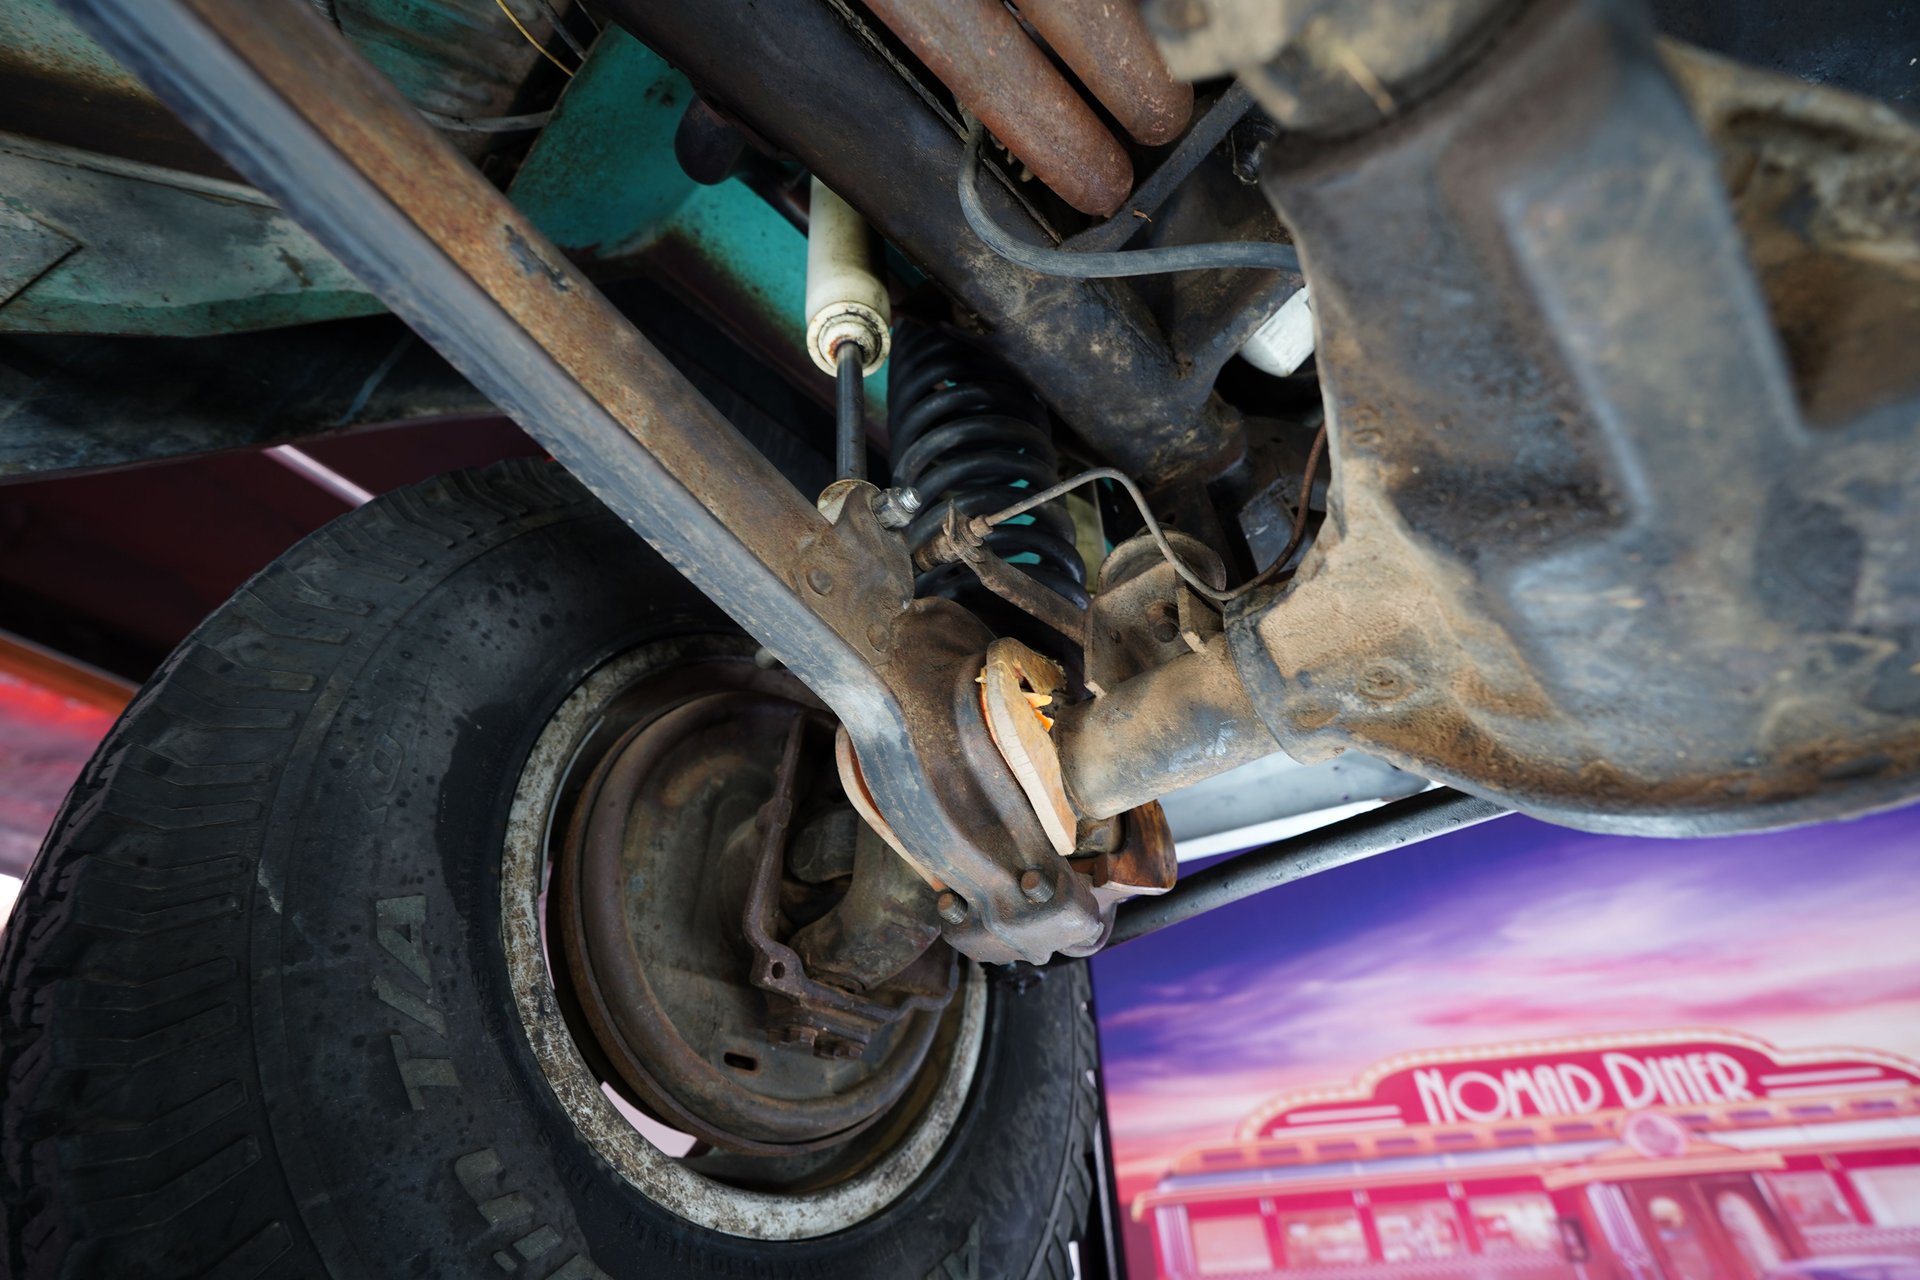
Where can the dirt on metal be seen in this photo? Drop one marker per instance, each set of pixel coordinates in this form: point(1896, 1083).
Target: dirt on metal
point(1110, 50)
point(977, 49)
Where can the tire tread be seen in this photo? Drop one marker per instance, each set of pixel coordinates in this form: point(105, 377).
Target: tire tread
point(130, 1143)
point(1068, 1215)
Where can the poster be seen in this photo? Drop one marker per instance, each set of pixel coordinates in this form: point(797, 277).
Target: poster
point(1522, 1051)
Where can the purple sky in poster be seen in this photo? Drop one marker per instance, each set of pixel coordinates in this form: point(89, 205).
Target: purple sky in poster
point(1509, 930)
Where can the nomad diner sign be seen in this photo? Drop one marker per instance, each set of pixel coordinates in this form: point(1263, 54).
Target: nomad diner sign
point(1578, 1077)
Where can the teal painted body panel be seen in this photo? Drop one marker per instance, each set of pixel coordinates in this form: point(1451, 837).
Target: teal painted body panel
point(156, 252)
point(459, 58)
point(40, 34)
point(602, 180)
point(159, 253)
point(604, 183)
point(151, 251)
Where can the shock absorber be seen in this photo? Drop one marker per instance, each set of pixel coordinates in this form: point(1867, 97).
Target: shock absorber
point(965, 430)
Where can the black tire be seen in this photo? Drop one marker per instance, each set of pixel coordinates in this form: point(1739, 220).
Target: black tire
point(200, 1079)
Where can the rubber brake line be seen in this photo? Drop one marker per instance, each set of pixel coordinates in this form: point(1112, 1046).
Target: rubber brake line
point(1111, 264)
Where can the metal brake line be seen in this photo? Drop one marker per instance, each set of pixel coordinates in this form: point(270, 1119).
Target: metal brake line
point(981, 524)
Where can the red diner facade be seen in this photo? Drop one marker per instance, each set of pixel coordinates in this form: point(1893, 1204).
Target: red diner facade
point(1695, 1155)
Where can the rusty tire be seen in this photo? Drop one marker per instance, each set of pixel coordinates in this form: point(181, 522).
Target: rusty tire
point(258, 1017)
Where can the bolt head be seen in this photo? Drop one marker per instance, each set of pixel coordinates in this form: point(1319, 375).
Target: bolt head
point(820, 580)
point(895, 508)
point(951, 908)
point(1384, 684)
point(1035, 887)
point(836, 1047)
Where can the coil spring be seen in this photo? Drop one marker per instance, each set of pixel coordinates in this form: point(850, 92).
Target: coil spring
point(965, 430)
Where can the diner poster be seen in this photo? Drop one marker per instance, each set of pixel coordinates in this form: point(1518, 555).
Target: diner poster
point(1520, 1050)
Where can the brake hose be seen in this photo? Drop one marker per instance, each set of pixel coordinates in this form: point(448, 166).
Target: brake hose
point(1262, 255)
point(982, 524)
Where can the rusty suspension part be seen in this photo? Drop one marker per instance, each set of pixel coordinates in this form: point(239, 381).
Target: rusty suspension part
point(295, 109)
point(668, 1001)
point(1193, 709)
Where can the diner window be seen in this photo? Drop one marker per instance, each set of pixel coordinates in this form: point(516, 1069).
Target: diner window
point(1416, 1232)
point(1811, 1199)
point(1514, 1224)
point(1892, 1194)
point(1749, 1231)
point(1323, 1237)
point(1222, 1246)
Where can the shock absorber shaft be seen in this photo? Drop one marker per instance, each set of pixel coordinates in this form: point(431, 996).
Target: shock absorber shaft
point(847, 317)
point(850, 419)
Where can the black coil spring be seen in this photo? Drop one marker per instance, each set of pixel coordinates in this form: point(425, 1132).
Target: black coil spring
point(964, 430)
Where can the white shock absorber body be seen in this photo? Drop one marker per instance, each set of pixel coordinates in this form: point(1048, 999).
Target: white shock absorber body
point(846, 299)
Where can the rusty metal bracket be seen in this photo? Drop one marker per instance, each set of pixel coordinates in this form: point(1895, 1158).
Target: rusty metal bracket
point(960, 541)
point(1145, 614)
point(1016, 687)
point(829, 1020)
point(1142, 863)
point(1602, 543)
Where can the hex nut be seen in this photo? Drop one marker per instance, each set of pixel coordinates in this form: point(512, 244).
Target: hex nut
point(838, 1048)
point(895, 508)
point(796, 1035)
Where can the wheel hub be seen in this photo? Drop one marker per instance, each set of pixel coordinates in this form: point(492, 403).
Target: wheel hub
point(656, 862)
